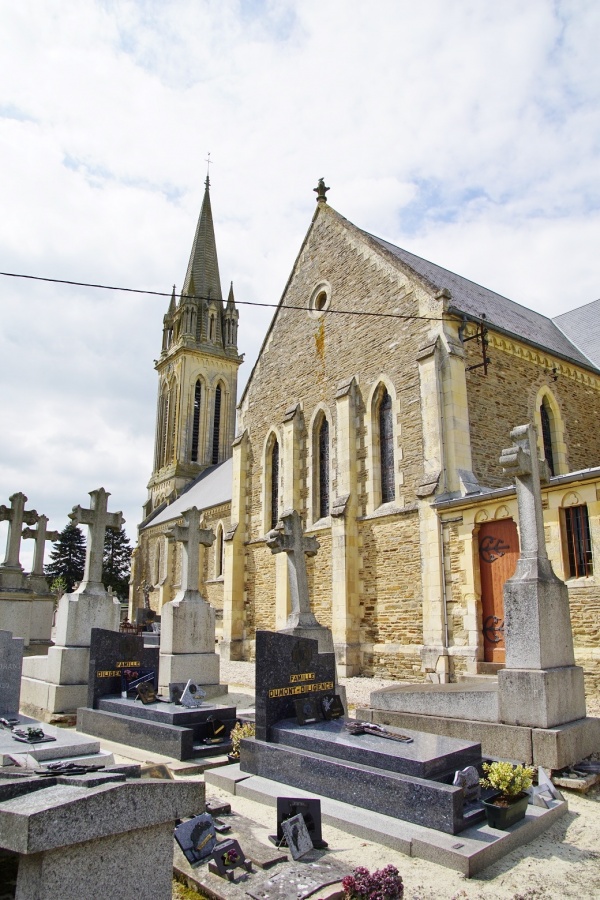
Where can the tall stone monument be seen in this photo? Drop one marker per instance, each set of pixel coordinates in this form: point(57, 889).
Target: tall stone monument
point(187, 631)
point(289, 539)
point(26, 604)
point(541, 686)
point(58, 683)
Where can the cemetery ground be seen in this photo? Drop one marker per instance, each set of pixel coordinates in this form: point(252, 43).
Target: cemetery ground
point(564, 862)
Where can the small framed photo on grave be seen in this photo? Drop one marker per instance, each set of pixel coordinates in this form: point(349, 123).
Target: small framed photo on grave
point(226, 857)
point(308, 710)
point(146, 692)
point(197, 838)
point(310, 810)
point(296, 836)
point(332, 706)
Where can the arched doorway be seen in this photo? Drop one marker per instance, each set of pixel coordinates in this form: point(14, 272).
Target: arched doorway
point(498, 554)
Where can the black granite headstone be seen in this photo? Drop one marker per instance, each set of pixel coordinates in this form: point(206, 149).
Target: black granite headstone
point(288, 668)
point(113, 654)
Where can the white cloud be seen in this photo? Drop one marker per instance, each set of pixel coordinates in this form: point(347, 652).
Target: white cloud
point(466, 132)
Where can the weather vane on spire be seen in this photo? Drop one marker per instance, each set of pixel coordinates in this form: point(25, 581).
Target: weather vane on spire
point(208, 161)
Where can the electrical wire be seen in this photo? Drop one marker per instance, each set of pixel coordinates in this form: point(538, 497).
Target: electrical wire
point(108, 287)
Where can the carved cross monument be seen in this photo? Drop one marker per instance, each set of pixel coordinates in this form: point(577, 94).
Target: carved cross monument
point(40, 535)
point(98, 520)
point(293, 542)
point(16, 516)
point(190, 535)
point(541, 686)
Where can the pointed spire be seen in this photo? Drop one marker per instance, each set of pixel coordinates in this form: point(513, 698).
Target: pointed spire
point(202, 276)
point(172, 304)
point(230, 298)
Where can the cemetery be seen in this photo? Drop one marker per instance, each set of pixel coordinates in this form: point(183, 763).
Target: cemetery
point(83, 806)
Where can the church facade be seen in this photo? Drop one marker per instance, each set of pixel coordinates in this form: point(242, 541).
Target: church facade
point(383, 395)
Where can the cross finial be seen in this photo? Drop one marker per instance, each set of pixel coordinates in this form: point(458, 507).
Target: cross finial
point(208, 161)
point(320, 191)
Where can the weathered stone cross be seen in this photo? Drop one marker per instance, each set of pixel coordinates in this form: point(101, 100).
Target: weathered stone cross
point(190, 535)
point(40, 535)
point(98, 520)
point(292, 542)
point(521, 460)
point(16, 516)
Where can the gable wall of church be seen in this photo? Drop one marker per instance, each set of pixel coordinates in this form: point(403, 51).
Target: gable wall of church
point(506, 397)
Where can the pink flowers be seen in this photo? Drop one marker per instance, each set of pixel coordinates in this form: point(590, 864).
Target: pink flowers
point(385, 884)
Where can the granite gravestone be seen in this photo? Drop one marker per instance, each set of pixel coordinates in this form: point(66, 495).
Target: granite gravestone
point(288, 668)
point(115, 660)
point(11, 660)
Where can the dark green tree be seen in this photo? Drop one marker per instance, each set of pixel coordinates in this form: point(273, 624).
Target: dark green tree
point(67, 557)
point(116, 563)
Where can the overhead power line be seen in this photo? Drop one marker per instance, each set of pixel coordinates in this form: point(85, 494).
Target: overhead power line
point(109, 287)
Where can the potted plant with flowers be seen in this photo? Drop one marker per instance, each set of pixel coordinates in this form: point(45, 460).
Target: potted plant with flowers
point(509, 802)
point(240, 730)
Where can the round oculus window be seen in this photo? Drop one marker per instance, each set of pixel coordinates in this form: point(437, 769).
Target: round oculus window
point(319, 301)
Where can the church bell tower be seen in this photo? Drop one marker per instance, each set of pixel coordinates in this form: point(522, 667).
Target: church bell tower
point(197, 373)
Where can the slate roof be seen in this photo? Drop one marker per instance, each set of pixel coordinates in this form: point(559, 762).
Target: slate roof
point(582, 326)
point(211, 488)
point(504, 314)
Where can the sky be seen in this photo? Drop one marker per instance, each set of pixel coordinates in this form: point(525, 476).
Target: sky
point(467, 132)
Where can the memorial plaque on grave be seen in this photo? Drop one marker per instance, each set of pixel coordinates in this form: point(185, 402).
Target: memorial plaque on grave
point(176, 689)
point(227, 856)
point(308, 710)
point(288, 668)
point(197, 838)
point(332, 707)
point(310, 810)
point(113, 653)
point(192, 696)
point(296, 836)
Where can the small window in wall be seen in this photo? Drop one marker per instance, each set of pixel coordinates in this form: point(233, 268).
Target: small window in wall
point(577, 541)
point(324, 469)
point(274, 484)
point(545, 416)
point(386, 444)
point(196, 421)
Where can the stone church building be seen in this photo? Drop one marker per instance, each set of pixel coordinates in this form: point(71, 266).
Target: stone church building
point(383, 395)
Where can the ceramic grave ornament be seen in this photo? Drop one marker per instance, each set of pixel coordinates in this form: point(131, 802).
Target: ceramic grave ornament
point(192, 696)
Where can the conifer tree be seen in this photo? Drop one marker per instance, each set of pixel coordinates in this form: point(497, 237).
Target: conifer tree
point(116, 563)
point(67, 557)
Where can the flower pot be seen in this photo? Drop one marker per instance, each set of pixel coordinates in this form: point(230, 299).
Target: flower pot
point(232, 758)
point(503, 817)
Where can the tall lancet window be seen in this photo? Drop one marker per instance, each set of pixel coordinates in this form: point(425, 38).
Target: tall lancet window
point(274, 484)
point(196, 421)
point(216, 426)
point(547, 434)
point(324, 469)
point(386, 445)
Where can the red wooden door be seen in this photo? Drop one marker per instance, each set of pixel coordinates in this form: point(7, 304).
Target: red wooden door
point(498, 555)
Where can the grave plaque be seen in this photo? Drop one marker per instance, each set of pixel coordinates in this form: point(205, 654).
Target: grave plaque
point(332, 707)
point(113, 653)
point(288, 668)
point(192, 696)
point(176, 689)
point(308, 710)
point(227, 856)
point(197, 838)
point(310, 810)
point(296, 836)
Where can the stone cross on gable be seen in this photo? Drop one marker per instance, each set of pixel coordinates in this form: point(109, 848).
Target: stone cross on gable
point(521, 460)
point(40, 535)
point(17, 515)
point(98, 520)
point(292, 541)
point(190, 535)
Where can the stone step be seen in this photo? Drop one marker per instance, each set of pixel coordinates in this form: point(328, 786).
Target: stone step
point(477, 678)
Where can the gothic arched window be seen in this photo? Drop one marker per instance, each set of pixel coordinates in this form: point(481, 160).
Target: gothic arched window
point(196, 421)
point(219, 548)
point(386, 448)
point(216, 426)
point(545, 416)
point(274, 498)
point(324, 469)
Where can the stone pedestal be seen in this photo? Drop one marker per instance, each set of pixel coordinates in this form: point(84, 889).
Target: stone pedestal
point(187, 642)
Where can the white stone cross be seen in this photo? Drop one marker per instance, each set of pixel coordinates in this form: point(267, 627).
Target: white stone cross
point(98, 520)
point(293, 542)
point(16, 516)
point(521, 460)
point(40, 535)
point(190, 535)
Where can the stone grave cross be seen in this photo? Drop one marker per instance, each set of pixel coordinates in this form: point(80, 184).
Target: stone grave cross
point(16, 516)
point(98, 520)
point(40, 535)
point(521, 460)
point(292, 541)
point(190, 535)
